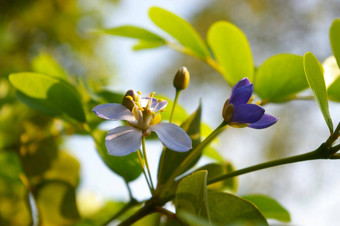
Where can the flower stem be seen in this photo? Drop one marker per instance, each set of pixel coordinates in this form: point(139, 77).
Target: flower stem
point(174, 104)
point(147, 165)
point(320, 153)
point(143, 170)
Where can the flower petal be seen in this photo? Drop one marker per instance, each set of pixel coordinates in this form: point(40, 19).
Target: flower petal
point(241, 83)
point(247, 113)
point(161, 105)
point(264, 122)
point(172, 136)
point(241, 95)
point(144, 101)
point(123, 140)
point(113, 112)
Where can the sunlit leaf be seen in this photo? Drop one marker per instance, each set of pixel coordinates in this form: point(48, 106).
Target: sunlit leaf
point(191, 219)
point(280, 77)
point(334, 36)
point(57, 204)
point(180, 29)
point(228, 209)
point(127, 166)
point(135, 32)
point(191, 195)
point(170, 160)
point(152, 219)
point(141, 45)
point(213, 154)
point(334, 91)
point(269, 207)
point(42, 89)
point(65, 168)
point(314, 75)
point(45, 64)
point(232, 51)
point(215, 170)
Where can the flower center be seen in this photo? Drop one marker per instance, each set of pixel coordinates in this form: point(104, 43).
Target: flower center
point(146, 110)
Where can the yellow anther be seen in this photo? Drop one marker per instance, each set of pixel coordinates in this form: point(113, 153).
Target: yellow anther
point(162, 110)
point(139, 92)
point(251, 99)
point(160, 100)
point(129, 97)
point(152, 94)
point(258, 102)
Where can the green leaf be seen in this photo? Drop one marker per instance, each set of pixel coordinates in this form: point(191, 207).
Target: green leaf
point(181, 30)
point(334, 91)
point(216, 170)
point(191, 195)
point(213, 154)
point(135, 32)
point(191, 219)
point(314, 75)
point(127, 166)
point(334, 36)
point(228, 209)
point(232, 51)
point(141, 45)
point(48, 94)
point(280, 77)
point(269, 207)
point(57, 203)
point(45, 64)
point(65, 168)
point(170, 160)
point(180, 113)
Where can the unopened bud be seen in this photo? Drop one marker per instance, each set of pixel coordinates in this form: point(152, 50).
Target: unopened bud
point(128, 99)
point(182, 78)
point(227, 111)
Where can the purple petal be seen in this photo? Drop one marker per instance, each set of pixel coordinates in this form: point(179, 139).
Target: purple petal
point(241, 83)
point(123, 140)
point(161, 105)
point(172, 136)
point(241, 95)
point(264, 122)
point(247, 113)
point(113, 112)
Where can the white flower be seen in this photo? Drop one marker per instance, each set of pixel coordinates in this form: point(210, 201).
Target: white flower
point(143, 118)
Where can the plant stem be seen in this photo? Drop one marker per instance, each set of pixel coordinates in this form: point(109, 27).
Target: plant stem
point(129, 190)
point(147, 209)
point(147, 165)
point(174, 104)
point(128, 206)
point(320, 153)
point(143, 170)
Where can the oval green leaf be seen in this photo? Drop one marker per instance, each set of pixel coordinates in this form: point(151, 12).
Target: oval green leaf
point(191, 195)
point(232, 51)
point(45, 64)
point(334, 36)
point(134, 32)
point(57, 203)
point(218, 169)
point(269, 207)
point(228, 209)
point(280, 77)
point(50, 94)
point(314, 75)
point(181, 30)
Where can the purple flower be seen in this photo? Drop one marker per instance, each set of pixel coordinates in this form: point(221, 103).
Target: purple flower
point(143, 118)
point(239, 112)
